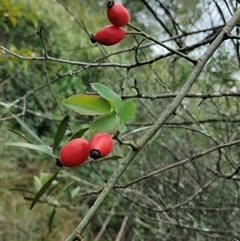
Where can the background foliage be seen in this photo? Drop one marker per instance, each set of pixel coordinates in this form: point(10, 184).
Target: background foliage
point(196, 201)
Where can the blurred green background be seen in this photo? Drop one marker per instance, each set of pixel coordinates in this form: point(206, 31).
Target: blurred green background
point(33, 90)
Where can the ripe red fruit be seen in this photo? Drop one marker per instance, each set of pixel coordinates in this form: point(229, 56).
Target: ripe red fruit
point(74, 153)
point(100, 145)
point(108, 35)
point(117, 14)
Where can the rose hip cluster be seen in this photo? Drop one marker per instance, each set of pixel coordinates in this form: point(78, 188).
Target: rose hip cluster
point(76, 151)
point(118, 16)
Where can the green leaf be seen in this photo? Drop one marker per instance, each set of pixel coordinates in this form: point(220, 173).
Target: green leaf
point(26, 127)
point(64, 188)
point(112, 158)
point(107, 122)
point(60, 132)
point(41, 148)
point(30, 199)
point(19, 134)
point(50, 221)
point(113, 98)
point(43, 190)
point(88, 104)
point(74, 192)
point(79, 133)
point(21, 190)
point(127, 111)
point(122, 128)
point(109, 158)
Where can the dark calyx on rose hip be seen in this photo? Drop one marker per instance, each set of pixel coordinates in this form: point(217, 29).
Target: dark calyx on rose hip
point(108, 35)
point(100, 145)
point(95, 154)
point(117, 14)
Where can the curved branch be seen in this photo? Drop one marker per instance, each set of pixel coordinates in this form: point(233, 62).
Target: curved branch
point(86, 65)
point(180, 163)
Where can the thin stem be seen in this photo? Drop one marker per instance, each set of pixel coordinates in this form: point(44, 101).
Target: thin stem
point(147, 36)
point(180, 163)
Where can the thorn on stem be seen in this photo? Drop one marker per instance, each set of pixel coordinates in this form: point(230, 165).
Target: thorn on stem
point(226, 35)
point(136, 147)
point(195, 61)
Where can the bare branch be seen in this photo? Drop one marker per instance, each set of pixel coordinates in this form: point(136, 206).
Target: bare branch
point(180, 163)
point(173, 95)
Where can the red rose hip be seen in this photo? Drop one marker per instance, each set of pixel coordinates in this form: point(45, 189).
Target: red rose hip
point(100, 145)
point(117, 14)
point(108, 35)
point(74, 153)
